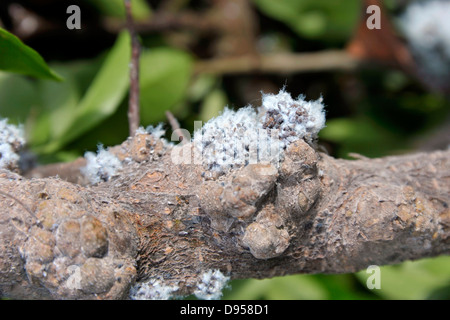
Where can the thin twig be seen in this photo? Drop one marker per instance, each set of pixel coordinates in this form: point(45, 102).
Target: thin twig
point(280, 63)
point(175, 125)
point(164, 21)
point(133, 106)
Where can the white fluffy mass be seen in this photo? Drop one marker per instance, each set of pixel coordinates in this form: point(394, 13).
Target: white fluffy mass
point(230, 140)
point(11, 141)
point(294, 119)
point(237, 138)
point(8, 158)
point(101, 166)
point(158, 132)
point(426, 26)
point(211, 285)
point(152, 290)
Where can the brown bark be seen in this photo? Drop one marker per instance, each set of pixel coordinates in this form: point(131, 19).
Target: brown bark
point(157, 220)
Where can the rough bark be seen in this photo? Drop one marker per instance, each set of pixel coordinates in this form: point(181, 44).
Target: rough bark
point(158, 220)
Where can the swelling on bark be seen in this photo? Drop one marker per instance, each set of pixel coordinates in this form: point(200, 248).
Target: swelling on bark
point(247, 136)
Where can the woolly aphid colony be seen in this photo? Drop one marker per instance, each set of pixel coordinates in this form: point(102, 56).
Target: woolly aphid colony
point(101, 166)
point(11, 142)
point(104, 165)
point(209, 287)
point(426, 27)
point(230, 141)
point(248, 135)
point(235, 138)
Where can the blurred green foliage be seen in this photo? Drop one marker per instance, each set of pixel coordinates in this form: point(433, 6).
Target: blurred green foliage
point(424, 279)
point(326, 20)
point(57, 113)
point(165, 75)
point(382, 114)
point(427, 278)
point(20, 58)
point(115, 8)
point(100, 100)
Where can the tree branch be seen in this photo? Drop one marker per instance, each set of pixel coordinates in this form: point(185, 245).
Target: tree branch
point(168, 21)
point(157, 220)
point(280, 63)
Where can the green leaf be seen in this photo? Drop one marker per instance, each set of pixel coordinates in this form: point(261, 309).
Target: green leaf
point(39, 131)
point(101, 100)
point(315, 19)
point(201, 86)
point(18, 96)
point(164, 78)
point(17, 57)
point(213, 104)
point(344, 287)
point(52, 109)
point(356, 130)
point(361, 135)
point(296, 287)
point(116, 8)
point(111, 132)
point(412, 280)
point(60, 100)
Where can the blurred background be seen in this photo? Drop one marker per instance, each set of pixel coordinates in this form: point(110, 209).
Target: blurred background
point(386, 90)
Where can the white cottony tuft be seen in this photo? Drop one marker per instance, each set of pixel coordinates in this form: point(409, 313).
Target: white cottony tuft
point(141, 130)
point(230, 140)
point(8, 157)
point(294, 118)
point(101, 166)
point(11, 141)
point(152, 290)
point(237, 138)
point(426, 26)
point(11, 134)
point(211, 285)
point(157, 131)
